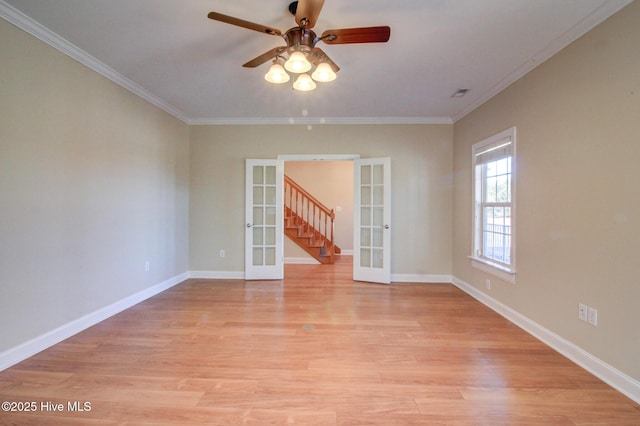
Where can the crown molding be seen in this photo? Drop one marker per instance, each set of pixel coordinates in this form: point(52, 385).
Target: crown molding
point(319, 120)
point(25, 23)
point(599, 15)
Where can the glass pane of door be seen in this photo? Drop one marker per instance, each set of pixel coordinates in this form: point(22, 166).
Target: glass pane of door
point(264, 219)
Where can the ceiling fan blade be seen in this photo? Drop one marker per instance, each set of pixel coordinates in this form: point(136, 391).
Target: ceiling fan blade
point(357, 35)
point(308, 10)
point(317, 55)
point(242, 23)
point(264, 57)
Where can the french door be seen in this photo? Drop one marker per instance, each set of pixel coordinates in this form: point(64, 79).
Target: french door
point(264, 254)
point(372, 218)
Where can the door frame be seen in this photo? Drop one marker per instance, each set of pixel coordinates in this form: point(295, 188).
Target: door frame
point(317, 157)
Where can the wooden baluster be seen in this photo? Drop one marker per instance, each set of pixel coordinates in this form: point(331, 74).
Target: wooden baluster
point(326, 226)
point(319, 228)
point(290, 204)
point(297, 205)
point(333, 215)
point(325, 234)
point(300, 209)
point(308, 213)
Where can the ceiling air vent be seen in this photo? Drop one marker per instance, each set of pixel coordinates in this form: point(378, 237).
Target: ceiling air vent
point(460, 93)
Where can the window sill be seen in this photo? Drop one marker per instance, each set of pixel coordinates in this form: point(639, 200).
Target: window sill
point(494, 269)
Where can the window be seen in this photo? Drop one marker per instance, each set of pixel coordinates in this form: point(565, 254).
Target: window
point(493, 233)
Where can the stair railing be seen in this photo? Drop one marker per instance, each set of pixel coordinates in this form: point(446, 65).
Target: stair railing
point(315, 218)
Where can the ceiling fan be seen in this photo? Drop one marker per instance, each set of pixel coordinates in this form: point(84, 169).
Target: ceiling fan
point(301, 42)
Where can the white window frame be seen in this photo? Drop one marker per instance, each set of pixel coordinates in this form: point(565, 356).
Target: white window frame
point(503, 143)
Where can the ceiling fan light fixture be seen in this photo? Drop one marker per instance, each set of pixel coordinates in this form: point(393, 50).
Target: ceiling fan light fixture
point(304, 83)
point(277, 74)
point(323, 73)
point(301, 40)
point(297, 63)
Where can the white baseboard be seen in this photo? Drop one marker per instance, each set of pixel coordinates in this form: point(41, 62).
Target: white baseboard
point(217, 275)
point(310, 260)
point(420, 278)
point(239, 275)
point(301, 261)
point(608, 374)
point(25, 350)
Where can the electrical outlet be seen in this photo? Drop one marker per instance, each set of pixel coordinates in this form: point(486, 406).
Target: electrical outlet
point(222, 253)
point(582, 312)
point(147, 266)
point(488, 283)
point(592, 316)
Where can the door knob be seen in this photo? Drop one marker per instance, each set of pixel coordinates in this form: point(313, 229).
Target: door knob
point(248, 225)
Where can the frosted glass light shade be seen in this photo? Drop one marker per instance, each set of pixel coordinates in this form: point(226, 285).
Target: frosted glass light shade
point(277, 74)
point(324, 73)
point(304, 83)
point(297, 63)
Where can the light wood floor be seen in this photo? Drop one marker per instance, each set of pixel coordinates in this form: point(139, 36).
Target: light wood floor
point(316, 348)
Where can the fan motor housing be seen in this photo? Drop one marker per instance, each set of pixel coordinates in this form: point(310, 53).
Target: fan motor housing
point(298, 37)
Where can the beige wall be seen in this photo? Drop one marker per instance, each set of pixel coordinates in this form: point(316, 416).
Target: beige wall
point(421, 161)
point(578, 204)
point(93, 183)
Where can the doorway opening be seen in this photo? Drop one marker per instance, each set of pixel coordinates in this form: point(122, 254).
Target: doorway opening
point(329, 178)
point(264, 236)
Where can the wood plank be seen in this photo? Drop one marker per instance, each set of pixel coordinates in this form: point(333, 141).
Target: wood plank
point(316, 348)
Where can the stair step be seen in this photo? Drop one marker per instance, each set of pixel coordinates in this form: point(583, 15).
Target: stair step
point(315, 247)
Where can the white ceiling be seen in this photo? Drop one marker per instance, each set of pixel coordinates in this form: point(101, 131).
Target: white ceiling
point(168, 52)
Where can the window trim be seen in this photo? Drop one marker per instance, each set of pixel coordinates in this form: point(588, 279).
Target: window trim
point(502, 271)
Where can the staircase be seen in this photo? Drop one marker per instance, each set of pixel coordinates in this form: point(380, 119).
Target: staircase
point(309, 223)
